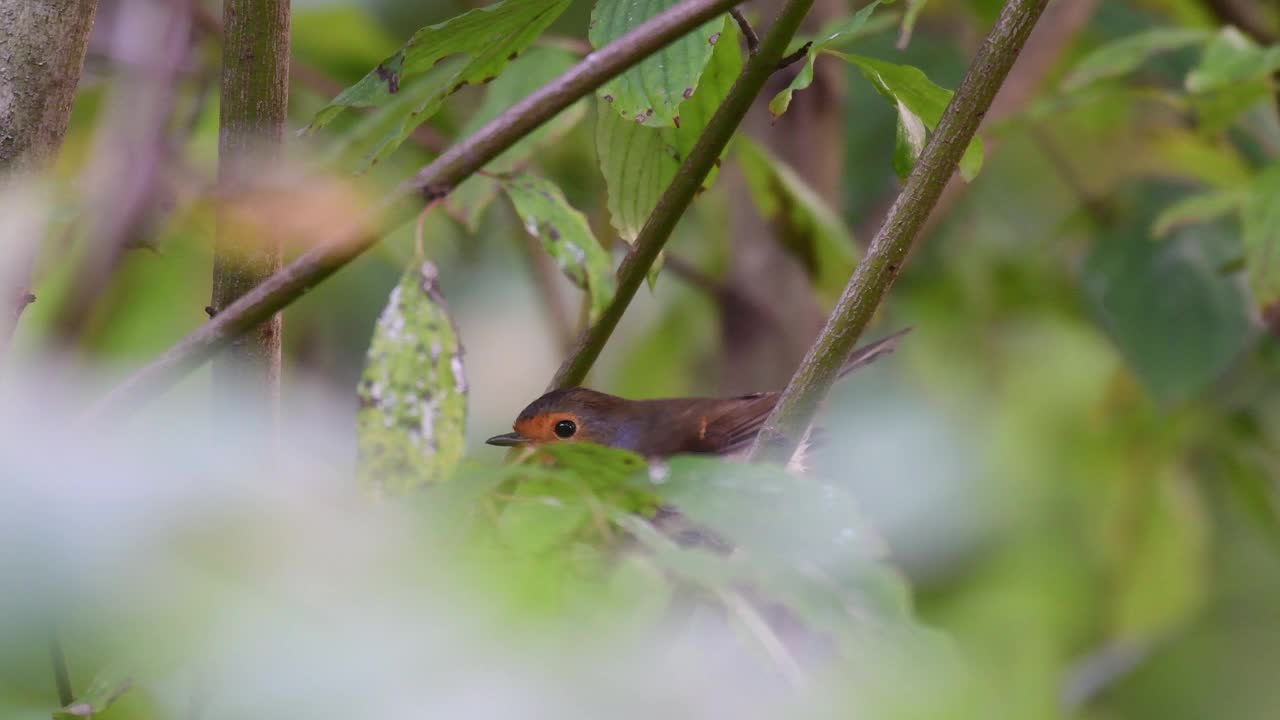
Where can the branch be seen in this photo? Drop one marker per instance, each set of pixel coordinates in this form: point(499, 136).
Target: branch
point(878, 269)
point(455, 165)
point(680, 193)
point(748, 32)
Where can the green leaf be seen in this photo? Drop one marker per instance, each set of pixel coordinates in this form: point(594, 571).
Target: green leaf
point(1126, 54)
point(565, 235)
point(639, 162)
point(526, 74)
point(807, 227)
point(1150, 297)
point(542, 514)
point(487, 38)
point(840, 32)
point(1199, 208)
point(1231, 58)
point(908, 89)
point(107, 686)
point(1261, 240)
point(651, 92)
point(413, 403)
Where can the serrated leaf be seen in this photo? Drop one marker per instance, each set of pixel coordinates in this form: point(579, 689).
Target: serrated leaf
point(1261, 240)
point(526, 74)
point(807, 227)
point(1198, 208)
point(1126, 54)
point(413, 404)
point(487, 38)
point(651, 92)
point(906, 87)
point(840, 32)
point(1231, 58)
point(639, 162)
point(565, 235)
point(107, 686)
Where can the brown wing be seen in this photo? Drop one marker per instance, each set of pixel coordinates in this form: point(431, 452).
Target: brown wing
point(723, 426)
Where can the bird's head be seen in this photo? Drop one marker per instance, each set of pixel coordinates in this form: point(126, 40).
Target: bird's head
point(570, 415)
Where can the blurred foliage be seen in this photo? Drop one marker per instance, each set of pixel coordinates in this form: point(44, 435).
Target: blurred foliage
point(1061, 498)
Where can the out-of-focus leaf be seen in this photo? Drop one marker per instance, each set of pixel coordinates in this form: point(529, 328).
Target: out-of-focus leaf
point(107, 686)
point(413, 403)
point(526, 74)
point(639, 162)
point(808, 228)
point(831, 36)
point(487, 37)
point(907, 88)
point(355, 145)
point(1232, 58)
point(1126, 54)
point(909, 22)
point(1183, 153)
point(565, 235)
point(1177, 320)
point(651, 92)
point(538, 516)
point(1218, 109)
point(1158, 553)
point(1261, 221)
point(1198, 208)
point(362, 42)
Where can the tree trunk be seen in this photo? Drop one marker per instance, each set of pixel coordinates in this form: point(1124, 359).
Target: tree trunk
point(255, 93)
point(42, 47)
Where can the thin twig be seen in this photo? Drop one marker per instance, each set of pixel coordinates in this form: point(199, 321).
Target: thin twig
point(880, 266)
point(748, 32)
point(794, 57)
point(545, 277)
point(680, 193)
point(347, 242)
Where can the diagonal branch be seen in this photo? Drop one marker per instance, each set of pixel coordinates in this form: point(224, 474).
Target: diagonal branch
point(878, 269)
point(444, 173)
point(680, 193)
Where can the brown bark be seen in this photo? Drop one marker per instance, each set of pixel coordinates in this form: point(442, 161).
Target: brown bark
point(42, 47)
point(255, 94)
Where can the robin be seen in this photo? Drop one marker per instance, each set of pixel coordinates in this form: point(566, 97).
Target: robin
point(658, 428)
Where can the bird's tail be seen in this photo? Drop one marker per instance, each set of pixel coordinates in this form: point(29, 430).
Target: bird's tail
point(868, 354)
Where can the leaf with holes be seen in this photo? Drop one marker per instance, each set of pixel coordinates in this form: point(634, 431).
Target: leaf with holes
point(838, 33)
point(651, 92)
point(565, 234)
point(1126, 54)
point(809, 229)
point(488, 38)
point(413, 402)
point(908, 89)
point(526, 74)
point(638, 162)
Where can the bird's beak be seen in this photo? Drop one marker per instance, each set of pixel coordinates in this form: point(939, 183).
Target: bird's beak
point(511, 439)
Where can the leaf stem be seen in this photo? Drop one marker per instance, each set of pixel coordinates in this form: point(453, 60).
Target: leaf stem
point(679, 194)
point(748, 32)
point(348, 241)
point(883, 261)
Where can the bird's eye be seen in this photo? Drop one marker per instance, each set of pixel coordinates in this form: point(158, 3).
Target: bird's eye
point(565, 429)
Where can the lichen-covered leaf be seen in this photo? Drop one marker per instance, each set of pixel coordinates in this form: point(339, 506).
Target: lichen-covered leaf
point(838, 33)
point(530, 71)
point(413, 402)
point(638, 162)
point(908, 88)
point(487, 38)
point(651, 92)
point(1126, 54)
point(565, 235)
point(809, 229)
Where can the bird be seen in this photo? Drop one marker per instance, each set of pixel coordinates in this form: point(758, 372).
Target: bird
point(659, 428)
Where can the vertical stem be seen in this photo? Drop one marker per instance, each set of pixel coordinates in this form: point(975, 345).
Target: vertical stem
point(878, 269)
point(61, 671)
point(255, 93)
point(679, 194)
point(42, 48)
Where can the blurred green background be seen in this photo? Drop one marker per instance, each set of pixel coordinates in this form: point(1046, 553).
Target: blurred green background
point(1073, 458)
